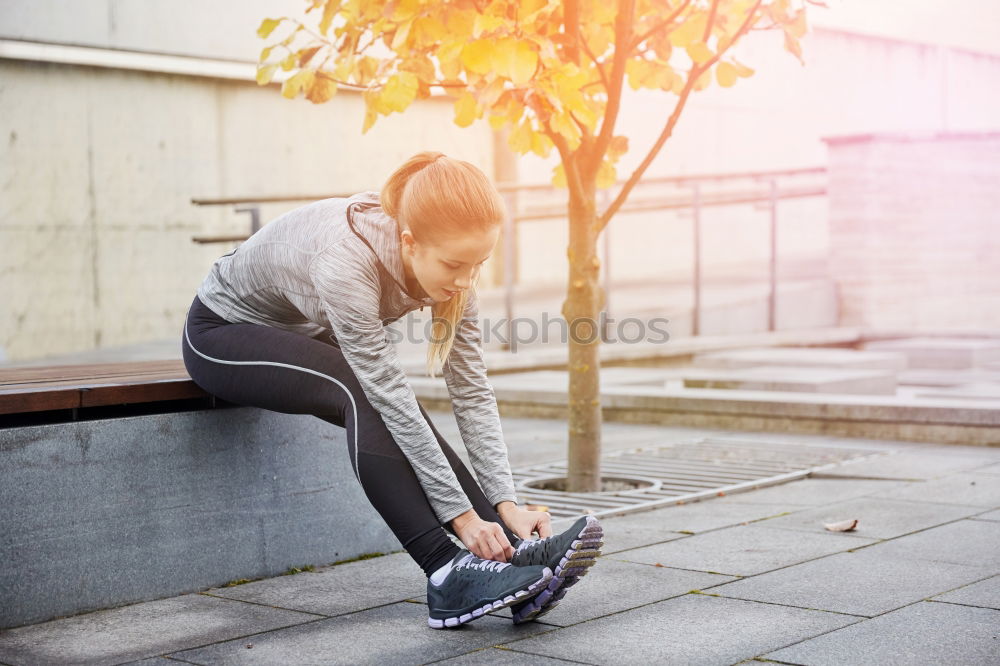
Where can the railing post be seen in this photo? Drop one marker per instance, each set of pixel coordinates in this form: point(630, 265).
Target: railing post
point(772, 299)
point(509, 248)
point(254, 211)
point(696, 216)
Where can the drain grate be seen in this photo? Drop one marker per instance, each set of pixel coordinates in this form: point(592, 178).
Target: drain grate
point(686, 471)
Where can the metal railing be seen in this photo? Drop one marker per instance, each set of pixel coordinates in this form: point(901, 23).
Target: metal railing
point(694, 192)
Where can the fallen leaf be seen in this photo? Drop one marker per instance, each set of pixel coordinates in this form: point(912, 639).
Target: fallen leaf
point(842, 526)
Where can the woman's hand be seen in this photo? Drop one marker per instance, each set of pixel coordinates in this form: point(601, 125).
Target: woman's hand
point(483, 539)
point(523, 522)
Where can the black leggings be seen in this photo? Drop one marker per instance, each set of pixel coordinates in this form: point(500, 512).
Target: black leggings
point(267, 367)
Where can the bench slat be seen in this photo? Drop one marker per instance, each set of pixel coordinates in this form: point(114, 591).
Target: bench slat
point(88, 372)
point(38, 389)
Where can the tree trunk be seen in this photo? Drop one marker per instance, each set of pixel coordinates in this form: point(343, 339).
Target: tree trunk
point(581, 310)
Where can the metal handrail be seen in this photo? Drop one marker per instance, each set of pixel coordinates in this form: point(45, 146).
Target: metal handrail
point(767, 193)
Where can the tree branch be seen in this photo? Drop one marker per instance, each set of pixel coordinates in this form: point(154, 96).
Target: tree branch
point(671, 122)
point(623, 50)
point(711, 20)
point(662, 24)
point(571, 27)
point(600, 69)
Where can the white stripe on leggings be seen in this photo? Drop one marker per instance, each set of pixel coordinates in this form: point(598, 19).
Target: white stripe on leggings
point(354, 406)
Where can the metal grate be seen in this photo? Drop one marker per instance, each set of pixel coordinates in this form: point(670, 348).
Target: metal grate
point(686, 471)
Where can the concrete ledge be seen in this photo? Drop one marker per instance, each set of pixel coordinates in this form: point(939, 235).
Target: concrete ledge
point(104, 513)
point(875, 417)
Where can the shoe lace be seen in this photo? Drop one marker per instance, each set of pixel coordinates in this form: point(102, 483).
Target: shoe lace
point(483, 565)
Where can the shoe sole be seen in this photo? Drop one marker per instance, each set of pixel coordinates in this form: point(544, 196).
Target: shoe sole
point(582, 555)
point(517, 597)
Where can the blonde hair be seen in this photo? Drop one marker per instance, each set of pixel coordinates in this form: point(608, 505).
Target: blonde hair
point(436, 196)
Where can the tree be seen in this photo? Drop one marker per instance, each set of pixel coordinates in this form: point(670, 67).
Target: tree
point(553, 72)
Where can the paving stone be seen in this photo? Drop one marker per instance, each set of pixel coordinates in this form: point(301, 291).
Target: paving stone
point(334, 590)
point(989, 469)
point(908, 466)
point(141, 630)
point(942, 353)
point(502, 657)
point(744, 550)
point(650, 527)
point(614, 586)
point(866, 582)
point(692, 629)
point(969, 542)
point(878, 518)
point(809, 380)
point(989, 515)
point(814, 492)
point(801, 357)
point(985, 593)
point(393, 634)
point(923, 633)
point(967, 488)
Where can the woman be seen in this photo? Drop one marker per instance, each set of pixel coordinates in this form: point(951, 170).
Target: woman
point(293, 321)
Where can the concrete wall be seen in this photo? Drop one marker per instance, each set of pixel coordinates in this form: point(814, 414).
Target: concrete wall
point(110, 512)
point(98, 168)
point(914, 230)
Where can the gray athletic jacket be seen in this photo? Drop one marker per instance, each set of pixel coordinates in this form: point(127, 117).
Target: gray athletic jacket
point(334, 265)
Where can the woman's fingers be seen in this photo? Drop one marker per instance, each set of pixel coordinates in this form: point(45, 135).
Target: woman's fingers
point(544, 525)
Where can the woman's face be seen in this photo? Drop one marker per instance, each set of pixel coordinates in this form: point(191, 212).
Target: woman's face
point(449, 265)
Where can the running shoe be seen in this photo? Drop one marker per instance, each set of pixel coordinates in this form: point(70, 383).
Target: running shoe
point(474, 587)
point(569, 555)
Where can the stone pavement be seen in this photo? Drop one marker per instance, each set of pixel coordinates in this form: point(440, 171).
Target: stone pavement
point(744, 578)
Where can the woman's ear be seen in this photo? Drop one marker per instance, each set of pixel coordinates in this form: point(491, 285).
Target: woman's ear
point(407, 241)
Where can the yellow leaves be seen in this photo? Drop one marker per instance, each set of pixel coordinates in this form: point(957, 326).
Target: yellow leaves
point(699, 53)
point(265, 74)
point(427, 30)
point(704, 80)
point(294, 84)
point(486, 23)
point(405, 10)
point(792, 46)
point(647, 74)
point(399, 92)
point(728, 72)
point(466, 110)
point(267, 26)
point(402, 32)
point(559, 176)
point(520, 139)
point(563, 124)
point(607, 175)
point(617, 147)
point(509, 57)
point(477, 55)
point(691, 30)
point(725, 74)
point(322, 89)
point(516, 59)
point(524, 139)
point(742, 70)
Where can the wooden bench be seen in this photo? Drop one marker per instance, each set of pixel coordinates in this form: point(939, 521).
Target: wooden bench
point(58, 393)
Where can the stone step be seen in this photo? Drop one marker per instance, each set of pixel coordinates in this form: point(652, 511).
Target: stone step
point(802, 357)
point(942, 353)
point(809, 380)
point(974, 391)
